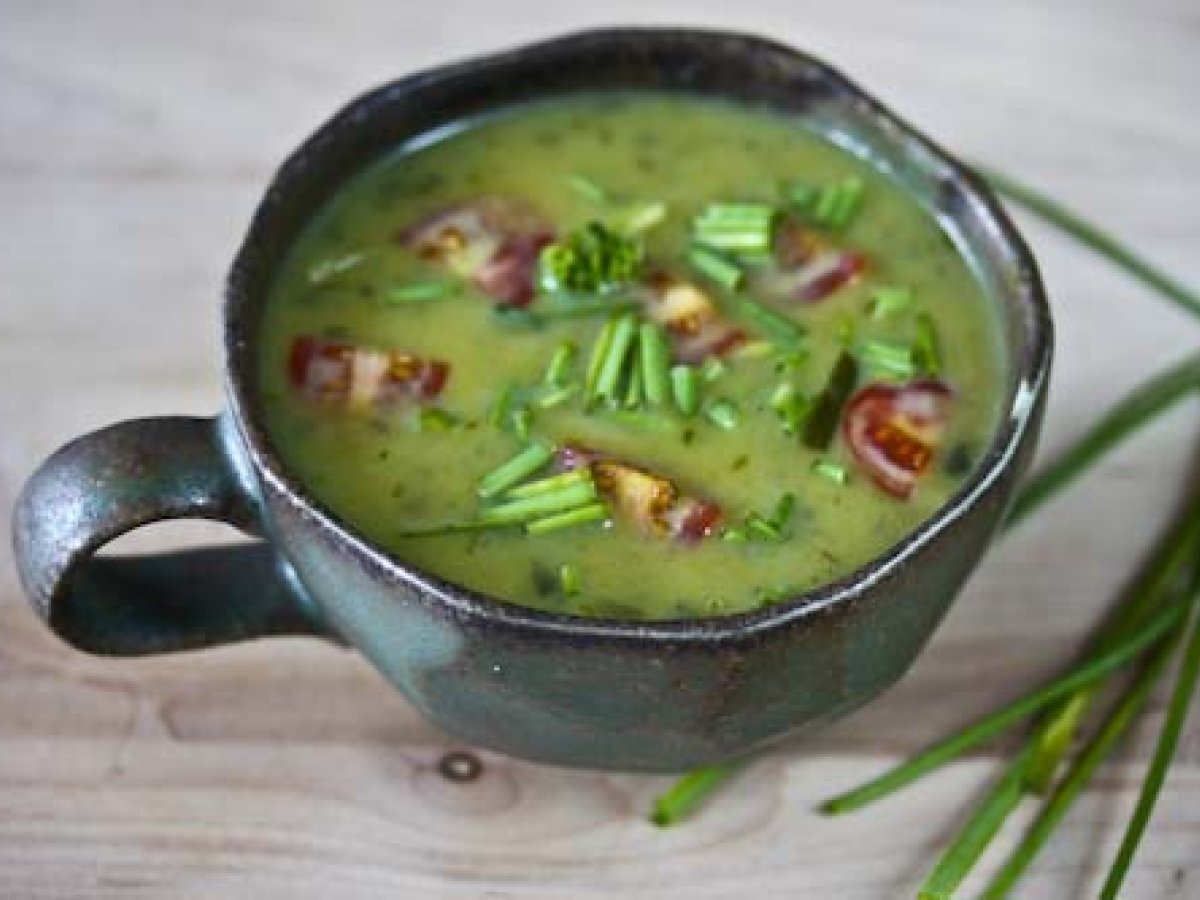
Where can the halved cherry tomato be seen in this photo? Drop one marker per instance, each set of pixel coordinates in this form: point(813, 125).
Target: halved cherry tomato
point(893, 431)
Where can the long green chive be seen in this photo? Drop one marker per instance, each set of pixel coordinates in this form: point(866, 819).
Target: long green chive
point(687, 793)
point(432, 419)
point(736, 227)
point(715, 267)
point(558, 371)
point(1080, 773)
point(887, 301)
point(570, 580)
point(889, 358)
point(418, 292)
point(1135, 410)
point(685, 386)
point(831, 471)
point(1095, 238)
point(527, 509)
point(655, 360)
point(623, 335)
point(555, 396)
point(515, 470)
point(599, 354)
point(500, 415)
point(550, 484)
point(975, 835)
point(927, 348)
point(942, 752)
point(1164, 751)
point(587, 188)
point(633, 386)
point(822, 421)
point(522, 422)
point(847, 199)
point(582, 515)
point(762, 529)
point(777, 327)
point(723, 414)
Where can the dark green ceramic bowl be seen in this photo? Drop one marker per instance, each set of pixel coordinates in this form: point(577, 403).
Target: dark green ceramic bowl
point(607, 694)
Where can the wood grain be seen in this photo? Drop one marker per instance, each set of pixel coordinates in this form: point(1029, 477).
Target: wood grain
point(134, 140)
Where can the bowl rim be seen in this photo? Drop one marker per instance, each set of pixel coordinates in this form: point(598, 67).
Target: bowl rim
point(1030, 364)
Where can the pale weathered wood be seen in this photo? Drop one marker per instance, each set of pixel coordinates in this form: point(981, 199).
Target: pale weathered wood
point(134, 139)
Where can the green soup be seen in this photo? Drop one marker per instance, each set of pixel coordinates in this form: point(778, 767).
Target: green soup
point(638, 356)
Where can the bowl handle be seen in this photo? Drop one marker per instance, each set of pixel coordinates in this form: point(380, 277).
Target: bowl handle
point(106, 483)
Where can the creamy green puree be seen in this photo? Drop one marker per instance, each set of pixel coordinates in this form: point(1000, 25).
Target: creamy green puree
point(749, 362)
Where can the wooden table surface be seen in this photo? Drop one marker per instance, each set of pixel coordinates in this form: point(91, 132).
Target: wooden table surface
point(134, 141)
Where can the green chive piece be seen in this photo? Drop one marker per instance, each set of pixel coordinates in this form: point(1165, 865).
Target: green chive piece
point(522, 422)
point(791, 408)
point(555, 396)
point(715, 267)
point(712, 369)
point(558, 372)
point(550, 484)
point(889, 358)
point(688, 792)
point(831, 205)
point(633, 387)
point(927, 349)
point(549, 503)
point(942, 752)
point(888, 301)
point(514, 470)
point(623, 335)
point(976, 834)
point(848, 198)
point(822, 420)
point(587, 188)
point(599, 354)
point(500, 415)
point(1164, 751)
point(655, 359)
point(785, 507)
point(328, 269)
point(734, 535)
point(736, 227)
point(432, 419)
point(723, 414)
point(758, 528)
point(685, 386)
point(831, 471)
point(754, 350)
point(582, 515)
point(419, 292)
point(570, 580)
point(1076, 779)
point(642, 217)
point(777, 327)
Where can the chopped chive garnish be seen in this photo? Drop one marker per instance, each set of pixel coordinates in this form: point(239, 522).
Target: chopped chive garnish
point(522, 421)
point(785, 507)
point(643, 217)
point(592, 260)
point(887, 301)
point(740, 228)
point(687, 793)
point(754, 350)
point(500, 415)
point(570, 580)
point(927, 349)
point(734, 535)
point(526, 509)
point(555, 396)
point(831, 471)
point(790, 407)
point(775, 325)
point(418, 292)
point(633, 387)
point(723, 414)
point(889, 358)
point(599, 355)
point(655, 358)
point(832, 205)
point(685, 386)
point(848, 197)
point(715, 267)
point(623, 335)
point(758, 528)
point(331, 268)
point(432, 419)
point(550, 484)
point(559, 370)
point(514, 470)
point(583, 515)
point(587, 188)
point(712, 369)
point(821, 423)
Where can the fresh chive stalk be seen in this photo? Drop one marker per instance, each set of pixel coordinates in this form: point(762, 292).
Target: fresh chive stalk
point(790, 407)
point(642, 217)
point(522, 422)
point(654, 357)
point(633, 385)
point(554, 397)
point(889, 301)
point(777, 327)
point(889, 358)
point(600, 350)
point(723, 414)
point(927, 348)
point(500, 415)
point(581, 515)
point(528, 509)
point(623, 335)
point(715, 267)
point(685, 387)
point(688, 792)
point(558, 371)
point(570, 580)
point(738, 228)
point(515, 470)
point(822, 421)
point(831, 471)
point(550, 484)
point(712, 369)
